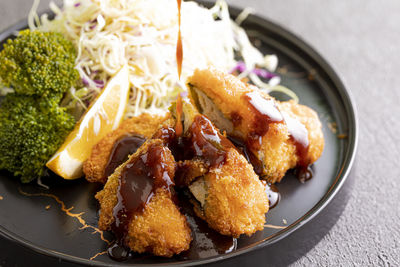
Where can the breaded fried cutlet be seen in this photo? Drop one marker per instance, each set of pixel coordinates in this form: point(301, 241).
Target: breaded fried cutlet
point(236, 107)
point(155, 225)
point(231, 198)
point(143, 125)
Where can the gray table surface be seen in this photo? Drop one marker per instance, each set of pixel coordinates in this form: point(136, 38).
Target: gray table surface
point(360, 38)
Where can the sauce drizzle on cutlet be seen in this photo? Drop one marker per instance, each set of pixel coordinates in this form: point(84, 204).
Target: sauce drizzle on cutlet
point(299, 136)
point(139, 180)
point(266, 113)
point(207, 143)
point(203, 142)
point(236, 118)
point(122, 148)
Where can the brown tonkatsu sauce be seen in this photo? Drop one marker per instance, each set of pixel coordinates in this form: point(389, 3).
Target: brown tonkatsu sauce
point(207, 143)
point(139, 180)
point(172, 140)
point(179, 123)
point(265, 113)
point(236, 118)
point(303, 171)
point(203, 141)
point(299, 137)
point(118, 252)
point(179, 50)
point(123, 147)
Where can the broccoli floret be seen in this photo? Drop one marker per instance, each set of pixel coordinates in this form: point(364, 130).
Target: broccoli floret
point(31, 130)
point(38, 63)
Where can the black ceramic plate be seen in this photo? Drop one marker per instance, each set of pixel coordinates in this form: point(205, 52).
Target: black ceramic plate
point(35, 219)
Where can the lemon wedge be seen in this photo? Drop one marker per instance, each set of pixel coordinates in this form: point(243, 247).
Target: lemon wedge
point(103, 116)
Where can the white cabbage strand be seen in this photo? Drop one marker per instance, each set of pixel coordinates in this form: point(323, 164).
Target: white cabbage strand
point(143, 34)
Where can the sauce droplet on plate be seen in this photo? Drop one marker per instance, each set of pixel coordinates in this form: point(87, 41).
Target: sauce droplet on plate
point(273, 194)
point(206, 241)
point(118, 252)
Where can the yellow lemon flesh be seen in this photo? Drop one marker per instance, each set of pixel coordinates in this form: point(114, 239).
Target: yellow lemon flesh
point(103, 116)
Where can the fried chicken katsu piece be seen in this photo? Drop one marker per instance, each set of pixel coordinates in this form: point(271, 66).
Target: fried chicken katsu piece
point(137, 203)
point(276, 136)
point(230, 197)
point(142, 127)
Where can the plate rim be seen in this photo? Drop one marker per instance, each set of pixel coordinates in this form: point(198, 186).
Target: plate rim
point(349, 157)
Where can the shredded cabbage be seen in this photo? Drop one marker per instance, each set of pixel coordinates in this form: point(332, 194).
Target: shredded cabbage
point(143, 34)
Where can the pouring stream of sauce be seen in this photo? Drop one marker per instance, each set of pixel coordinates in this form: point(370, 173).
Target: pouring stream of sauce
point(179, 50)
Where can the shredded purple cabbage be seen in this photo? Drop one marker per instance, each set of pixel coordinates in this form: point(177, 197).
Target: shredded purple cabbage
point(241, 67)
point(85, 82)
point(99, 83)
point(264, 73)
point(77, 4)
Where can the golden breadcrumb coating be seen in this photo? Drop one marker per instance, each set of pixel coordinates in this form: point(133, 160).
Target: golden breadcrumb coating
point(160, 228)
point(95, 165)
point(233, 199)
point(220, 97)
point(309, 118)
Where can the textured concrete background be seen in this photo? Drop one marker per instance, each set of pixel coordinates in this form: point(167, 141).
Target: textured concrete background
point(360, 38)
